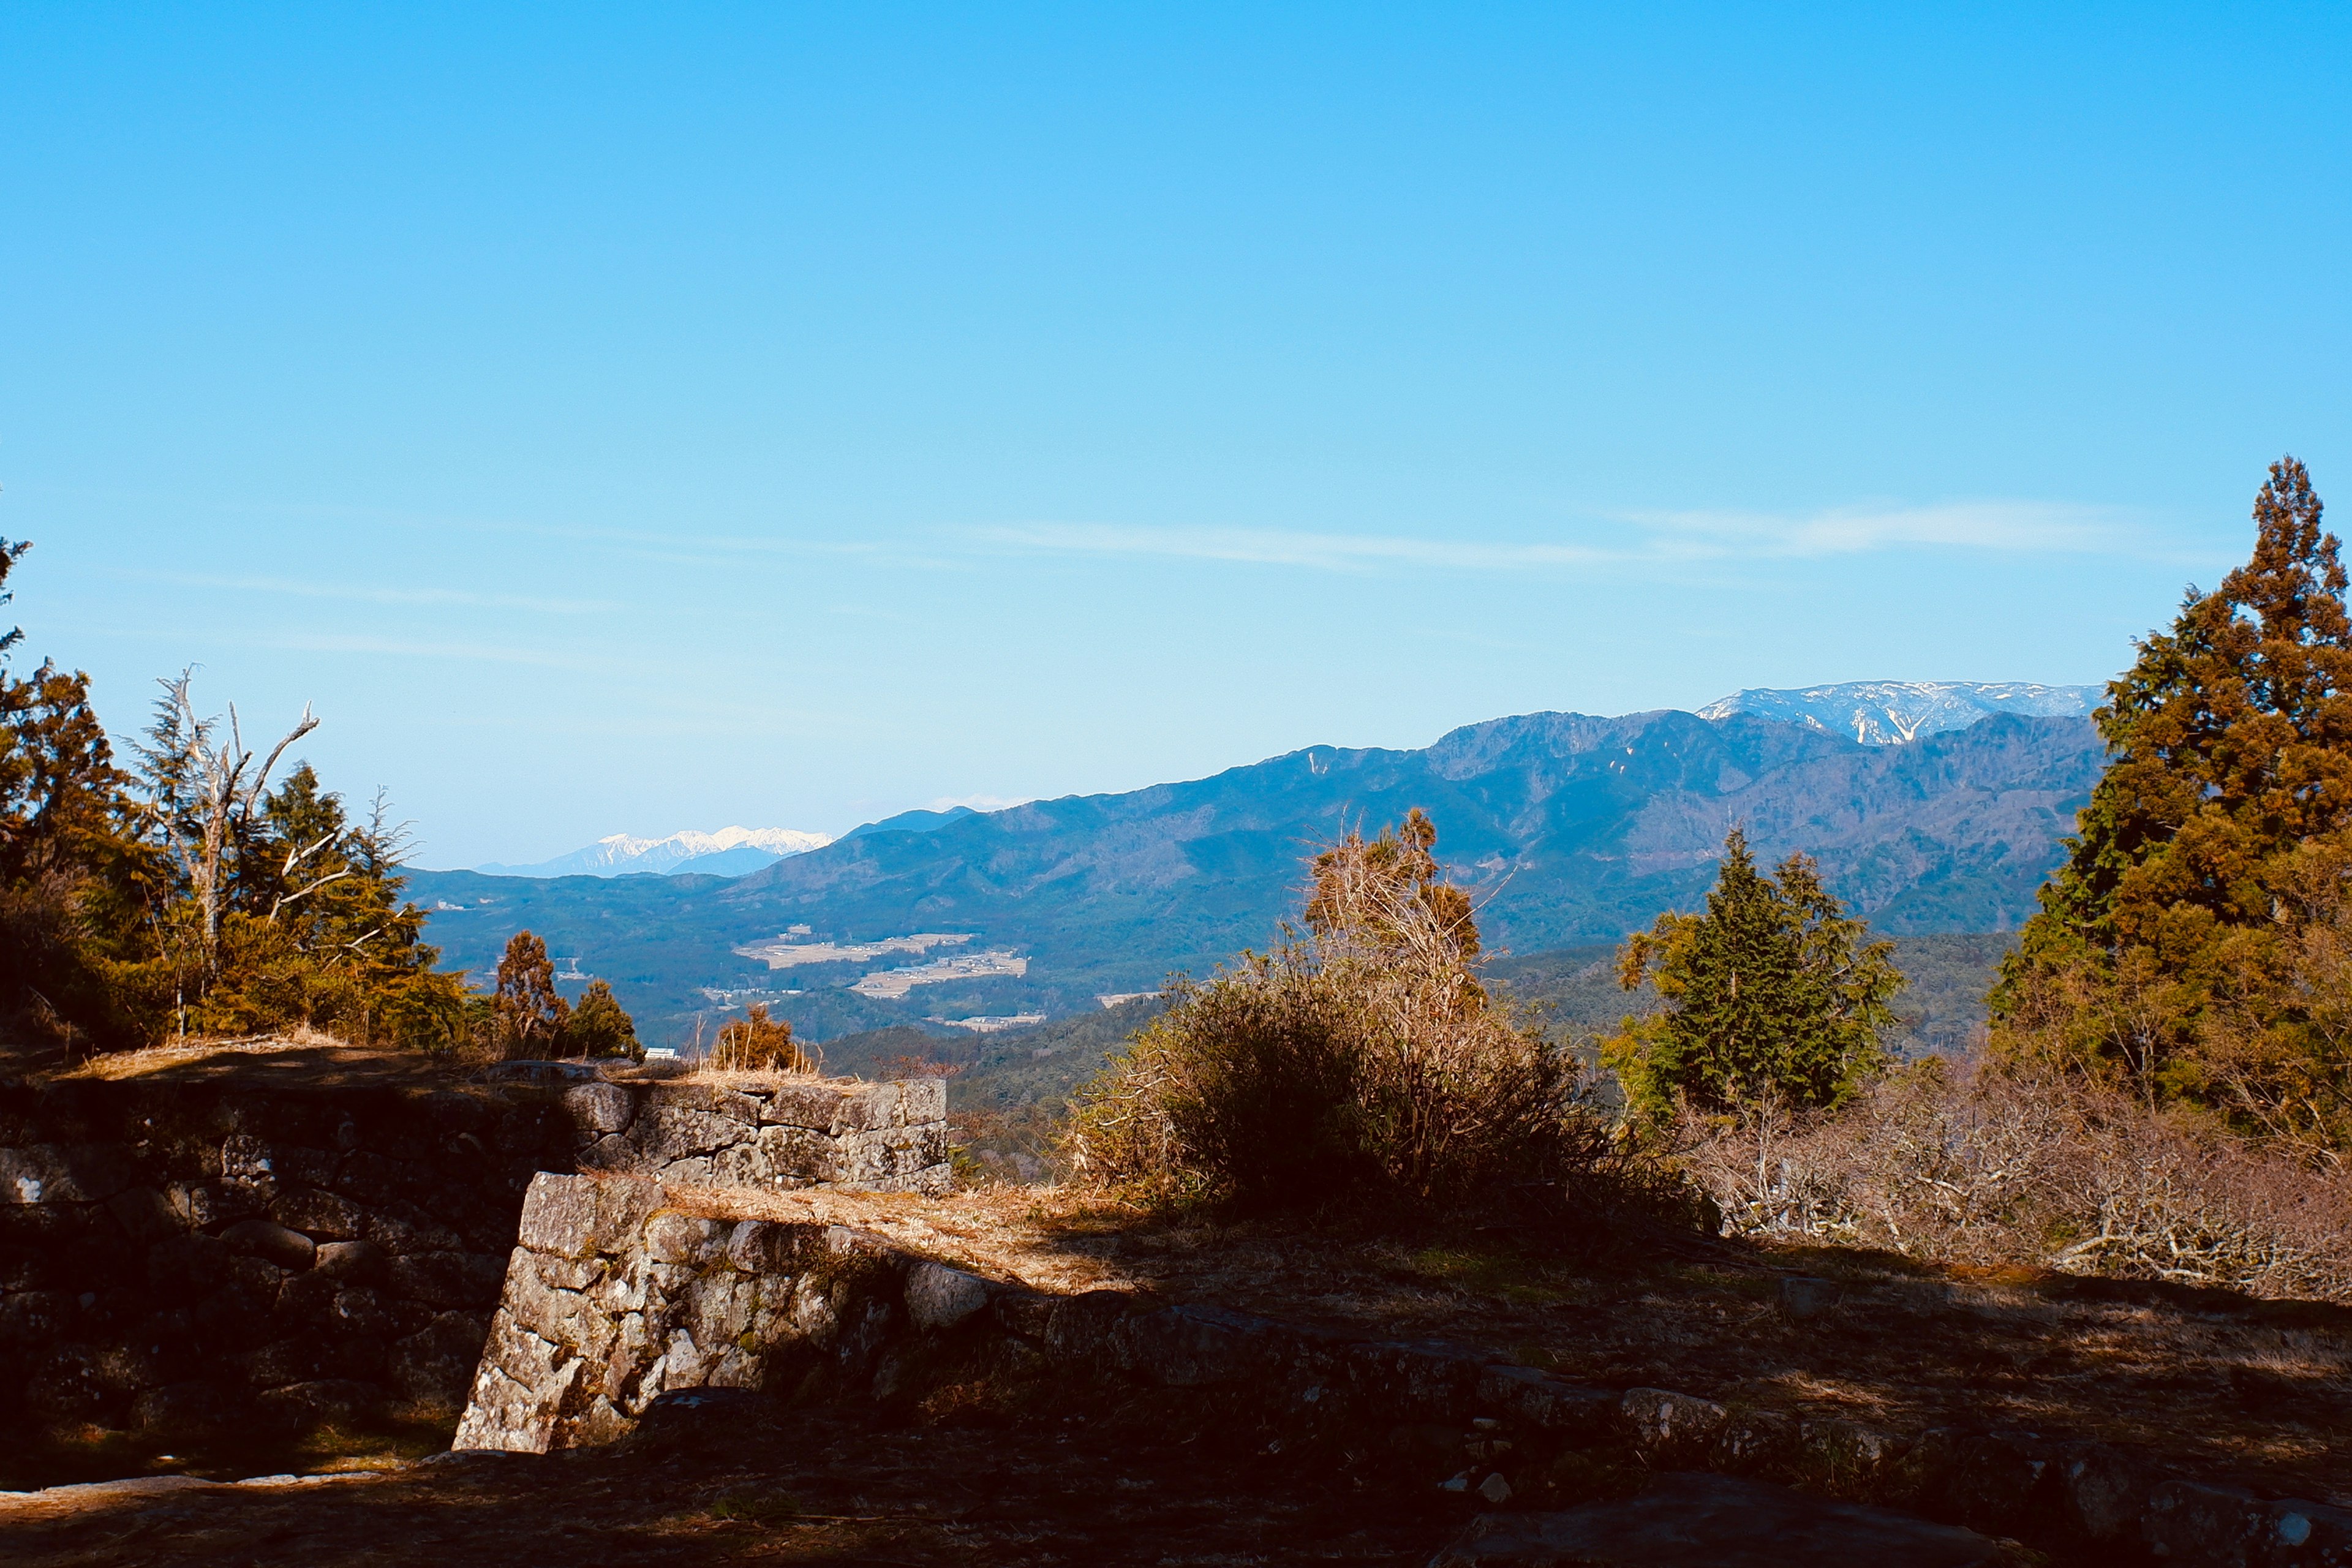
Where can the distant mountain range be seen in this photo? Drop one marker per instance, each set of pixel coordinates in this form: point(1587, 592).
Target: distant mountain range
point(1568, 830)
point(729, 852)
point(1889, 712)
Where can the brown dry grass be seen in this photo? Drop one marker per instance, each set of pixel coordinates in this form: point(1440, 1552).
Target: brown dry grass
point(147, 1059)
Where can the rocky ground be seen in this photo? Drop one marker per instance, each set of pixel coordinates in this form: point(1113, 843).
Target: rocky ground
point(2211, 1382)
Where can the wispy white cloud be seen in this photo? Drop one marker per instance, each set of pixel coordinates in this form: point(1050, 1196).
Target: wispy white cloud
point(1649, 538)
point(2014, 526)
point(1287, 547)
point(368, 593)
point(400, 647)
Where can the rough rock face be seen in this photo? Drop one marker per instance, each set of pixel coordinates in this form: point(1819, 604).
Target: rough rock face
point(868, 1137)
point(614, 1297)
point(194, 1255)
point(187, 1256)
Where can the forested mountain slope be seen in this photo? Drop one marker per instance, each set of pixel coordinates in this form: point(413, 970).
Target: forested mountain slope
point(1568, 829)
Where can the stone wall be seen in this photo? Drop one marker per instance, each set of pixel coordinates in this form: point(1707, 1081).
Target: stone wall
point(780, 1134)
point(620, 1292)
point(184, 1256)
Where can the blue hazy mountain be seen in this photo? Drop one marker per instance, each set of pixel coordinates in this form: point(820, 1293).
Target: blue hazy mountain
point(1569, 829)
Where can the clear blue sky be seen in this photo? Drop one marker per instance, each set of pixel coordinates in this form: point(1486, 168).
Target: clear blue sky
point(632, 419)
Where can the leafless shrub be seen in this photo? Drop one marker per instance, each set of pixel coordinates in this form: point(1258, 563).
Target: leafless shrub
point(1362, 1058)
point(2003, 1167)
point(758, 1043)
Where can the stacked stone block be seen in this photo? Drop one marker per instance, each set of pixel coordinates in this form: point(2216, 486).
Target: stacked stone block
point(186, 1255)
point(781, 1134)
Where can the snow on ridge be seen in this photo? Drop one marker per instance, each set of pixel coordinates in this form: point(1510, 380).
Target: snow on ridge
point(621, 854)
point(1888, 713)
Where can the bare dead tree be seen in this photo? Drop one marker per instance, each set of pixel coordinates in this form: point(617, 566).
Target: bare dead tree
point(207, 790)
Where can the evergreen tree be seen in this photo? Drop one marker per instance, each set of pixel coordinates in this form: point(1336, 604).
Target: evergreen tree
point(599, 1026)
point(1771, 994)
point(2167, 948)
point(529, 1015)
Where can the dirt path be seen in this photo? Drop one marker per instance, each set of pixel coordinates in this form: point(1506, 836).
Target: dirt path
point(1111, 1479)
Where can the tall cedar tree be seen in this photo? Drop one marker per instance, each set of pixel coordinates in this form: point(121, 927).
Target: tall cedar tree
point(2174, 947)
point(531, 1017)
point(1770, 996)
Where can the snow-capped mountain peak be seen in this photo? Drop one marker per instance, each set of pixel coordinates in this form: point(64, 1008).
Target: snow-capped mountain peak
point(729, 852)
point(1888, 713)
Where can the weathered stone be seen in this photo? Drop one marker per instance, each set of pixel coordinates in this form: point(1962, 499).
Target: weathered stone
point(1754, 1440)
point(352, 1262)
point(267, 1239)
point(758, 1247)
point(611, 1152)
point(1420, 1378)
point(505, 1413)
point(1687, 1520)
point(209, 1205)
point(187, 1267)
point(1536, 1400)
point(401, 1226)
point(433, 1365)
point(322, 1216)
point(559, 1216)
point(718, 1307)
point(923, 1100)
point(1847, 1451)
point(939, 1297)
point(66, 1385)
point(665, 1134)
point(1190, 1347)
point(360, 1311)
point(2104, 1492)
point(868, 1105)
point(1081, 1327)
point(700, 1421)
point(38, 1317)
point(1028, 1314)
point(1671, 1428)
point(672, 1236)
point(599, 1107)
point(2187, 1521)
point(713, 1099)
point(63, 1172)
point(1984, 1480)
point(145, 1215)
point(809, 1103)
point(623, 1207)
point(544, 1073)
point(787, 1156)
point(447, 1278)
point(931, 1181)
